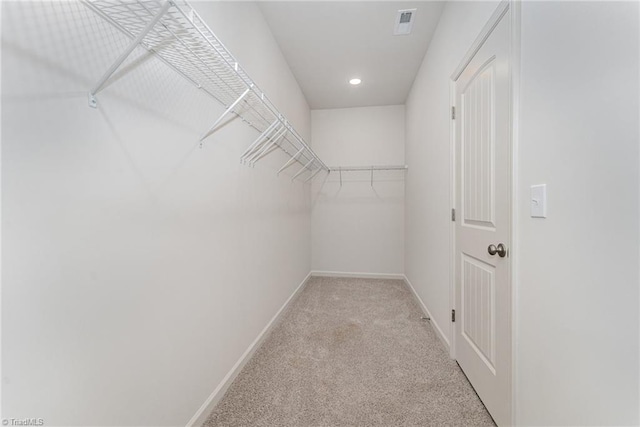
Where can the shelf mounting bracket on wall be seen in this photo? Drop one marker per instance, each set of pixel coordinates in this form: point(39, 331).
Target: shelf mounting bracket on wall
point(213, 127)
point(93, 102)
point(258, 140)
point(267, 147)
point(259, 148)
point(312, 175)
point(291, 160)
point(301, 171)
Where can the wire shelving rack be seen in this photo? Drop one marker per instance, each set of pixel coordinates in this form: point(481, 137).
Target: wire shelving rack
point(340, 169)
point(178, 36)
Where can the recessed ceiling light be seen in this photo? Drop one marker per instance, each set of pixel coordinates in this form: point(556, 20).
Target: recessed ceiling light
point(355, 81)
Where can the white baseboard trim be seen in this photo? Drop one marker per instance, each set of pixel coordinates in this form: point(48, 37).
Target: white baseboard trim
point(317, 273)
point(207, 407)
point(433, 322)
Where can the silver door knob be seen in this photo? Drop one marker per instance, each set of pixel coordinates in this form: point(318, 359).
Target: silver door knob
point(501, 250)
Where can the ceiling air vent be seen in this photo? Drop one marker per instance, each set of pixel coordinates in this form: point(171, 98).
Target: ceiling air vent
point(404, 21)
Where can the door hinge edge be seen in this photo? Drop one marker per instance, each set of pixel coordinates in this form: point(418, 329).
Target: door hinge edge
point(453, 214)
point(453, 315)
point(453, 113)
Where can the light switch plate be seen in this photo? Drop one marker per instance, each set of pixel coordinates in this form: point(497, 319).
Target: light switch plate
point(539, 201)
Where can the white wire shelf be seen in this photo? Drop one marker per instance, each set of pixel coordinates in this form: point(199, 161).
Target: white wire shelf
point(340, 169)
point(368, 168)
point(177, 35)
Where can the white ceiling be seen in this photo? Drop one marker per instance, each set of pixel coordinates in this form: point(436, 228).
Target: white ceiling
point(326, 43)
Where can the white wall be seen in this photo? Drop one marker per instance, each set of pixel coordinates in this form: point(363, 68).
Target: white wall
point(578, 270)
point(137, 268)
point(578, 277)
point(357, 227)
point(427, 151)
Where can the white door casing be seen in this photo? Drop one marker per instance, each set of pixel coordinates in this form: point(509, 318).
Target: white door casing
point(483, 335)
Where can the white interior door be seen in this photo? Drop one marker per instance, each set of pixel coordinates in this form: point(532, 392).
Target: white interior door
point(483, 285)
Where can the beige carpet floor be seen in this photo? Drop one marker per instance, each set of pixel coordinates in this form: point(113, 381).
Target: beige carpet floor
point(351, 352)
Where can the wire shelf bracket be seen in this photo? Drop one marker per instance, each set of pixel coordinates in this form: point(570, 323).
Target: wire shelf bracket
point(260, 147)
point(266, 148)
point(290, 161)
point(313, 175)
point(213, 127)
point(175, 34)
point(302, 170)
point(258, 141)
point(93, 102)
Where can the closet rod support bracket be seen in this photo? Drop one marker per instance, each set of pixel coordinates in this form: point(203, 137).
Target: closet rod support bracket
point(266, 149)
point(291, 160)
point(229, 109)
point(259, 141)
point(304, 168)
point(313, 174)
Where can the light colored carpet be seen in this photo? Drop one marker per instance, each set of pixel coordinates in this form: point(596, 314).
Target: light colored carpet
point(351, 352)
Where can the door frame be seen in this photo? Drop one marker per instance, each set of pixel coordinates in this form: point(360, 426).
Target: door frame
point(514, 8)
